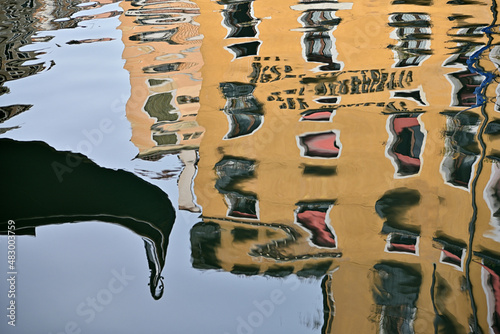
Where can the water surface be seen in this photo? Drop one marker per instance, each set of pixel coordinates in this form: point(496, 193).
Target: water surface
point(250, 167)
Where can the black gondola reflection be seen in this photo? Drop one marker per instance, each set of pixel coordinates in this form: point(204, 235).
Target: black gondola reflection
point(48, 187)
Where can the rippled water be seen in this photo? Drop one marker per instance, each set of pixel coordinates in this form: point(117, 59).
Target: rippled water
point(243, 166)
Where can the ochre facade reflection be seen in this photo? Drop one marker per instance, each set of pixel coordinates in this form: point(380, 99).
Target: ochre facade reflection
point(350, 142)
point(16, 31)
point(162, 54)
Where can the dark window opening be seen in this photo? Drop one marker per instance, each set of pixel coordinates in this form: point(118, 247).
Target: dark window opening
point(245, 49)
point(407, 144)
point(318, 44)
point(243, 109)
point(404, 243)
point(464, 88)
point(315, 270)
point(323, 145)
point(462, 149)
point(279, 271)
point(160, 106)
point(205, 240)
point(413, 32)
point(452, 251)
point(396, 290)
point(243, 124)
point(241, 234)
point(242, 206)
point(318, 115)
point(491, 264)
point(155, 36)
point(166, 139)
point(247, 270)
point(239, 19)
point(313, 217)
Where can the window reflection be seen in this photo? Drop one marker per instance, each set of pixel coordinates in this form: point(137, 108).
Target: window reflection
point(396, 291)
point(314, 217)
point(245, 114)
point(413, 31)
point(318, 42)
point(461, 148)
point(406, 143)
point(240, 22)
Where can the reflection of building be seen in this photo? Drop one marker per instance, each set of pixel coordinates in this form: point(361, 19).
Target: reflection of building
point(413, 33)
point(241, 24)
point(492, 197)
point(244, 112)
point(21, 20)
point(318, 43)
point(406, 143)
point(362, 174)
point(162, 53)
point(60, 14)
point(462, 150)
point(18, 27)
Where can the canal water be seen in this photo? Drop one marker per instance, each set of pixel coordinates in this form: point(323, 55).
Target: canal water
point(246, 166)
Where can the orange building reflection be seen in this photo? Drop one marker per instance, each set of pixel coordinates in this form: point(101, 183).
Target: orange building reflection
point(351, 145)
point(162, 53)
point(344, 141)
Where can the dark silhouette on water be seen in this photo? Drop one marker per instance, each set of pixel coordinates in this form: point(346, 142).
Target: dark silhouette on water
point(395, 292)
point(47, 187)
